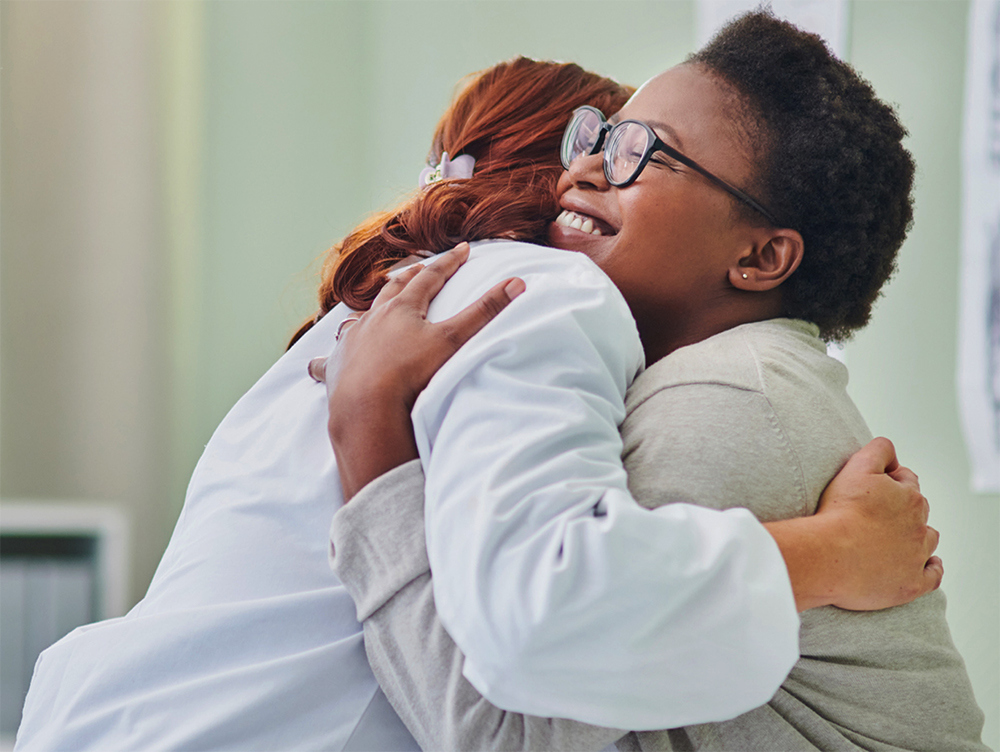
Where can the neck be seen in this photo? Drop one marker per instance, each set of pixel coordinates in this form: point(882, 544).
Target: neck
point(662, 332)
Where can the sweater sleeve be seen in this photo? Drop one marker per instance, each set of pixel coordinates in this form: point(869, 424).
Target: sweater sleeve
point(377, 550)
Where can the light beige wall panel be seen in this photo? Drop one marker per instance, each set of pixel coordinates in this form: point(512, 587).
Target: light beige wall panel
point(83, 391)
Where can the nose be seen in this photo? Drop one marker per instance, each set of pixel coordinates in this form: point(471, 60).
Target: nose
point(587, 171)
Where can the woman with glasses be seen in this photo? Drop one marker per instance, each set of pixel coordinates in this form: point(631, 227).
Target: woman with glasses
point(245, 640)
point(747, 204)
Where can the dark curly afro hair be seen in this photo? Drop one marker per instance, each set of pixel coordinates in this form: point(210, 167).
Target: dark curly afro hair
point(831, 164)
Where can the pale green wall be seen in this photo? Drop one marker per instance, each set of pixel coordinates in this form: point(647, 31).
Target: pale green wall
point(903, 365)
point(280, 178)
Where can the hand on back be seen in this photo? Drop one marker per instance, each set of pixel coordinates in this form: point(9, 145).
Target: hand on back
point(386, 356)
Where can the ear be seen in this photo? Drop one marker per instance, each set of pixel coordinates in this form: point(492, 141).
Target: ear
point(772, 259)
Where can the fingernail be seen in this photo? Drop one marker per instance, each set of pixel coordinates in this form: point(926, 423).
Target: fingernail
point(317, 369)
point(514, 288)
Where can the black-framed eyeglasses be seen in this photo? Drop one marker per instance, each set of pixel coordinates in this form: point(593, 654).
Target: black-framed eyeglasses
point(628, 145)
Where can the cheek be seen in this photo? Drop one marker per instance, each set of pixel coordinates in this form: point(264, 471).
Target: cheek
point(563, 184)
point(649, 211)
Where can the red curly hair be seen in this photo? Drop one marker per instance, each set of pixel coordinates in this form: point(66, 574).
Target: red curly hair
point(510, 118)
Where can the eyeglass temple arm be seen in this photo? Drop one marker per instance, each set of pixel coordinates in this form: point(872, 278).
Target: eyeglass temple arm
point(733, 190)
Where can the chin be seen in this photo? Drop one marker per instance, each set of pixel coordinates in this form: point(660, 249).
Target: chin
point(568, 239)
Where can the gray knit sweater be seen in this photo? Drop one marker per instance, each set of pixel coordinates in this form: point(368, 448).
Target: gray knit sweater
point(757, 416)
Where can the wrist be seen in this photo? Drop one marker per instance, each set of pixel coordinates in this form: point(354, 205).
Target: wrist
point(815, 556)
point(370, 435)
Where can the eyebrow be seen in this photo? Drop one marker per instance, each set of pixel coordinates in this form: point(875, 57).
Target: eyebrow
point(657, 125)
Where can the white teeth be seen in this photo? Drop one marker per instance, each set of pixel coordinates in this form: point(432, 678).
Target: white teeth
point(578, 222)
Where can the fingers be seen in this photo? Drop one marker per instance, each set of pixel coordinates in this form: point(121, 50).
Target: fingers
point(460, 327)
point(933, 573)
point(317, 369)
point(905, 476)
point(428, 284)
point(877, 456)
point(423, 287)
point(926, 582)
point(347, 322)
point(899, 473)
point(396, 284)
point(932, 540)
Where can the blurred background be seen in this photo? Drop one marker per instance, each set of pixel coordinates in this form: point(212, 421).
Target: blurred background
point(173, 171)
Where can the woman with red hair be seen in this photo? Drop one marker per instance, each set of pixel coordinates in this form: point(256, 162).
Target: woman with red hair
point(245, 639)
point(507, 117)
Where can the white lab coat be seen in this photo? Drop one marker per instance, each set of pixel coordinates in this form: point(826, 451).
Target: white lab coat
point(245, 639)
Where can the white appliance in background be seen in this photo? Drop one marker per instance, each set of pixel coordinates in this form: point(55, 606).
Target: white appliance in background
point(62, 564)
point(978, 367)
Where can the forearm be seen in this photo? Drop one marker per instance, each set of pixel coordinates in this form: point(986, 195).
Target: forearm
point(814, 556)
point(370, 437)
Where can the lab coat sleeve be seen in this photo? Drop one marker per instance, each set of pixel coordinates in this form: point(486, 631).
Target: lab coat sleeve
point(378, 553)
point(568, 599)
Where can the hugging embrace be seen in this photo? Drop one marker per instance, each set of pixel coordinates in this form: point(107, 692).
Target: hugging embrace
point(607, 489)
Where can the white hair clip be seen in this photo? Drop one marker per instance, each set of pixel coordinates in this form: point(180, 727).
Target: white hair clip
point(459, 168)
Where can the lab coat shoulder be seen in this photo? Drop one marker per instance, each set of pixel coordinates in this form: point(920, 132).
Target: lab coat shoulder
point(568, 302)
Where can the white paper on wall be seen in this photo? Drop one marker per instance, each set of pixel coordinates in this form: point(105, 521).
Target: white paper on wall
point(979, 278)
point(828, 18)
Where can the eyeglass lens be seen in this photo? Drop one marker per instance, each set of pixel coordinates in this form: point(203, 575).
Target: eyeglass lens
point(623, 153)
point(581, 135)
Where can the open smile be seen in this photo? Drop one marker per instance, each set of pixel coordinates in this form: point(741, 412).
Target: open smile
point(583, 223)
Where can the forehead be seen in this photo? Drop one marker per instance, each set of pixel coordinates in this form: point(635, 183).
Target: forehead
point(690, 108)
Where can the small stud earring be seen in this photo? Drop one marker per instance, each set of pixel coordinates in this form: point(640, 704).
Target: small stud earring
point(746, 276)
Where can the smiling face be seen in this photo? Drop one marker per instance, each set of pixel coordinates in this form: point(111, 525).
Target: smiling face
point(671, 239)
